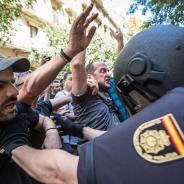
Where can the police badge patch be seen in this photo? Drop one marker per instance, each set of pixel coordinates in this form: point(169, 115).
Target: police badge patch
point(159, 140)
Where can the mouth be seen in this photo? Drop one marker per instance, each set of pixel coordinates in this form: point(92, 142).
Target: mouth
point(10, 107)
point(107, 81)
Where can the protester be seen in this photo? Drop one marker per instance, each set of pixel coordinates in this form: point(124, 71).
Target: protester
point(16, 116)
point(31, 89)
point(148, 145)
point(90, 108)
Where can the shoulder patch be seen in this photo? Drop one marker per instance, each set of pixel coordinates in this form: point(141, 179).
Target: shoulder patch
point(160, 140)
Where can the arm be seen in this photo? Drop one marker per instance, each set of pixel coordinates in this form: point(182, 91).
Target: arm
point(52, 139)
point(44, 75)
point(118, 35)
point(75, 129)
point(79, 76)
point(59, 102)
point(40, 79)
point(47, 166)
point(47, 93)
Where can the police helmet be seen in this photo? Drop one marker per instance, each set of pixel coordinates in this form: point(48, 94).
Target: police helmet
point(151, 63)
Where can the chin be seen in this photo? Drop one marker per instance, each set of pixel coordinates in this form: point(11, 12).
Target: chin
point(7, 117)
point(107, 86)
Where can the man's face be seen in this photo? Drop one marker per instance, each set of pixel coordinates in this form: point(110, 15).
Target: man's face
point(102, 75)
point(8, 95)
point(68, 83)
point(56, 86)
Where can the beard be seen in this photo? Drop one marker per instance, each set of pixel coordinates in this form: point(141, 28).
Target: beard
point(7, 117)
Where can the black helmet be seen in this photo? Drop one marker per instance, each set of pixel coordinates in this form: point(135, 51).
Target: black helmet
point(151, 63)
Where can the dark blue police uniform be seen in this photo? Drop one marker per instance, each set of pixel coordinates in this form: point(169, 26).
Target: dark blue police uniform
point(146, 148)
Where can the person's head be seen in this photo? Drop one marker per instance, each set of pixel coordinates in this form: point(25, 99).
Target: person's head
point(67, 81)
point(55, 86)
point(151, 63)
point(101, 73)
point(8, 92)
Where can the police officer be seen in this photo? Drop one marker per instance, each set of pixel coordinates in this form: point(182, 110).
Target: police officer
point(146, 148)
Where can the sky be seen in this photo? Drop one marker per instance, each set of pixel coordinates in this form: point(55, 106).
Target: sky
point(119, 8)
point(120, 5)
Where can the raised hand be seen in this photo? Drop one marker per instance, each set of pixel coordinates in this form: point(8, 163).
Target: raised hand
point(78, 39)
point(118, 35)
point(92, 84)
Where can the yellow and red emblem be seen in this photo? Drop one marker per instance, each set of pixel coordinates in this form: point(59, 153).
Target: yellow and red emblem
point(159, 140)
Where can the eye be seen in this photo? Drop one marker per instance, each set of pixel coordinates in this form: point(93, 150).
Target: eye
point(103, 70)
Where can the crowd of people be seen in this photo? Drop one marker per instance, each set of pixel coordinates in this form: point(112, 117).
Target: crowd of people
point(77, 128)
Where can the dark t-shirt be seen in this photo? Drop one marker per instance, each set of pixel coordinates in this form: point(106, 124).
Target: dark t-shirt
point(94, 111)
point(10, 172)
point(116, 161)
point(44, 108)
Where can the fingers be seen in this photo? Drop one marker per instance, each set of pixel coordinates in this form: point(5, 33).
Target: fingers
point(90, 19)
point(111, 31)
point(91, 33)
point(87, 11)
point(90, 76)
point(82, 17)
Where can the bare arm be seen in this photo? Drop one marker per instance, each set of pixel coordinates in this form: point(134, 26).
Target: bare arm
point(52, 139)
point(47, 166)
point(43, 76)
point(118, 35)
point(40, 79)
point(44, 123)
point(79, 76)
point(59, 102)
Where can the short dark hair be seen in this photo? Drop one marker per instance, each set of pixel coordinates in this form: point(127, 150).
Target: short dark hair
point(66, 75)
point(90, 68)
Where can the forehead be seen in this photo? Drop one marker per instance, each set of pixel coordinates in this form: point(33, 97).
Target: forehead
point(6, 75)
point(99, 65)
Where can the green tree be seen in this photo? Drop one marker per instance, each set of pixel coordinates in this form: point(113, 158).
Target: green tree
point(57, 39)
point(133, 25)
point(163, 11)
point(10, 11)
point(99, 49)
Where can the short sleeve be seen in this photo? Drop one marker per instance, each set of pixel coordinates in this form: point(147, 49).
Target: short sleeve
point(31, 115)
point(44, 108)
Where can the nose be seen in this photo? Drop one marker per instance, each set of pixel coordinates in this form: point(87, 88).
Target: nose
point(12, 91)
point(108, 73)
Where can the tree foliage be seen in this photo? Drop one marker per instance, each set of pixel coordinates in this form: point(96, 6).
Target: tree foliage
point(132, 25)
point(57, 39)
point(10, 11)
point(99, 48)
point(163, 11)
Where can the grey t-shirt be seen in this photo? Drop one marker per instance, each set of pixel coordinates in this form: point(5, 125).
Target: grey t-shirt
point(94, 111)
